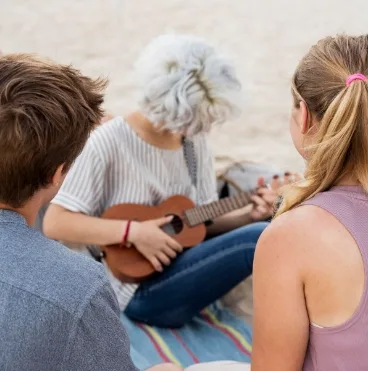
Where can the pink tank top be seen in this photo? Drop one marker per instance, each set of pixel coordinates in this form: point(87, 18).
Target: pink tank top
point(344, 347)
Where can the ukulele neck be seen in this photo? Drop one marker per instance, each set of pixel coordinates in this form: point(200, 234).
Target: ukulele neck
point(213, 210)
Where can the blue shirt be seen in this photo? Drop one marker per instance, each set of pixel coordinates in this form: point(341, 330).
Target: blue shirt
point(57, 309)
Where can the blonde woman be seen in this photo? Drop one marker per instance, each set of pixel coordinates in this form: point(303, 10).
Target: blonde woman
point(187, 87)
point(311, 264)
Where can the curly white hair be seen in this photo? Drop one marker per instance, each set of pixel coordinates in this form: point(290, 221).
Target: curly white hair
point(186, 85)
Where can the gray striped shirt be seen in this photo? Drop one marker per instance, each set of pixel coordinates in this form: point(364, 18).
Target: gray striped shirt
point(117, 166)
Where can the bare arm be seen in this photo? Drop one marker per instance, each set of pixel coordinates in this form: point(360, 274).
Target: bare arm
point(62, 224)
point(261, 209)
point(230, 221)
point(281, 324)
point(155, 245)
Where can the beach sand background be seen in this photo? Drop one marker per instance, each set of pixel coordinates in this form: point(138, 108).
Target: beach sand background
point(265, 38)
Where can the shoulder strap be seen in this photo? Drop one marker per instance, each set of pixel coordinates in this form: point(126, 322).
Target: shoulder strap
point(190, 160)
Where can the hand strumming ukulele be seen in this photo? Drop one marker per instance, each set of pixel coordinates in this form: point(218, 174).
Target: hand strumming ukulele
point(187, 227)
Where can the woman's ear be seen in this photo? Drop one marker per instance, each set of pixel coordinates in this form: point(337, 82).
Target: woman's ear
point(305, 122)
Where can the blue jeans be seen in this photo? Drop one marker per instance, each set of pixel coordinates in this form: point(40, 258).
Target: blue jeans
point(197, 278)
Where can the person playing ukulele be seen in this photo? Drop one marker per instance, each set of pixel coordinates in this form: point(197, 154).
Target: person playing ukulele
point(187, 88)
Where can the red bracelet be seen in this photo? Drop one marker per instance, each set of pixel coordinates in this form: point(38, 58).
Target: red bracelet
point(126, 234)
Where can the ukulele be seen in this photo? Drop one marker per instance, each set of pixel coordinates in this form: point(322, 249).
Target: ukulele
point(187, 228)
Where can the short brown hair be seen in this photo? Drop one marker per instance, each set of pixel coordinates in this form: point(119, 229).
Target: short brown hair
point(47, 112)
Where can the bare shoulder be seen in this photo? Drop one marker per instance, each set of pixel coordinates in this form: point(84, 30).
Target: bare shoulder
point(299, 234)
point(306, 223)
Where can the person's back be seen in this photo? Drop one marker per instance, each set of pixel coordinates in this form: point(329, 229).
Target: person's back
point(310, 276)
point(54, 304)
point(341, 340)
point(57, 309)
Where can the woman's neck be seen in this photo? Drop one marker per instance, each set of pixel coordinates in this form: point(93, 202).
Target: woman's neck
point(348, 180)
point(152, 133)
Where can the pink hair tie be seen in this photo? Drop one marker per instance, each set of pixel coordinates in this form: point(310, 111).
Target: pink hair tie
point(356, 76)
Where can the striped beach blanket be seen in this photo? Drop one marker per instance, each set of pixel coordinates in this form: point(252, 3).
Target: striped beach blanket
point(216, 334)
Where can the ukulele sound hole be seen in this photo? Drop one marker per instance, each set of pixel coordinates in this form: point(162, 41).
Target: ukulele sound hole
point(174, 227)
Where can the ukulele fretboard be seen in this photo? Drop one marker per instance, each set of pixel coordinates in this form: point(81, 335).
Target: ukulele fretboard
point(213, 210)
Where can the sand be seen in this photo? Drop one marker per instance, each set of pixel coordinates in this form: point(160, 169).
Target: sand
point(265, 38)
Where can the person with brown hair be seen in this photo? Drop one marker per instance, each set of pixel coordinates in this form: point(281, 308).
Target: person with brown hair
point(57, 308)
point(311, 263)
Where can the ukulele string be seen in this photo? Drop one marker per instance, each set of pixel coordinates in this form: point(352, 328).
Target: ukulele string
point(248, 194)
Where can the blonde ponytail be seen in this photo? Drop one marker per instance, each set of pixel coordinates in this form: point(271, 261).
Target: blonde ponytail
point(340, 138)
